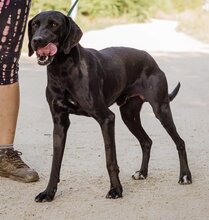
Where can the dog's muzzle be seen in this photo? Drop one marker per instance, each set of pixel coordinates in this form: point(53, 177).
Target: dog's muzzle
point(45, 55)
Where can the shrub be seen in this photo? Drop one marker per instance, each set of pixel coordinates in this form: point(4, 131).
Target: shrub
point(44, 5)
point(139, 9)
point(115, 8)
point(97, 8)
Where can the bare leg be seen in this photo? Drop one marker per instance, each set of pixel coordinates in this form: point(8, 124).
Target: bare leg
point(9, 107)
point(11, 165)
point(13, 17)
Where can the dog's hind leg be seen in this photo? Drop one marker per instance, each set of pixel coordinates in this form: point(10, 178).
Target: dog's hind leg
point(163, 113)
point(130, 113)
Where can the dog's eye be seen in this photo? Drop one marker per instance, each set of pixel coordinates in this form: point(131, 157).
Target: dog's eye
point(35, 25)
point(53, 24)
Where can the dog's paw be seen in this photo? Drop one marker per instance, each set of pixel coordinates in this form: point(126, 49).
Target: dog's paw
point(114, 193)
point(185, 179)
point(45, 196)
point(139, 176)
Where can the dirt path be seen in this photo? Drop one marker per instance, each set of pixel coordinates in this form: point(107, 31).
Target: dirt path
point(84, 180)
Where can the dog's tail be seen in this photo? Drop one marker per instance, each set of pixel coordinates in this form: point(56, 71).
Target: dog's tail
point(173, 94)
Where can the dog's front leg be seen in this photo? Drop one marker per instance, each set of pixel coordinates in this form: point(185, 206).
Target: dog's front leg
point(107, 123)
point(61, 124)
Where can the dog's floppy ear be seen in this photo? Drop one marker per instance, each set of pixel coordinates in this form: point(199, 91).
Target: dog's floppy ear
point(30, 49)
point(73, 35)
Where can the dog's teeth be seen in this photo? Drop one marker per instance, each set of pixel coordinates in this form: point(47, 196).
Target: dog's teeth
point(43, 59)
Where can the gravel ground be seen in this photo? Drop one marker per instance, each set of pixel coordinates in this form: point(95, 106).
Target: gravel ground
point(84, 180)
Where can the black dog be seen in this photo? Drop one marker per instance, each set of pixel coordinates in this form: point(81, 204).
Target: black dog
point(86, 82)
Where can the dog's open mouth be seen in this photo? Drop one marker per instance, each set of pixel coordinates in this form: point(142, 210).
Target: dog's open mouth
point(45, 55)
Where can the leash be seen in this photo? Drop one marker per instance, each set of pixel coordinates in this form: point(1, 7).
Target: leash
point(70, 11)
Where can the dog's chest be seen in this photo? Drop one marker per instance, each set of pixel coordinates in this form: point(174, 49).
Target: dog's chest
point(65, 102)
point(71, 89)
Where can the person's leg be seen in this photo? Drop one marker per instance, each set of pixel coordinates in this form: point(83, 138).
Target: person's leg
point(13, 17)
point(9, 106)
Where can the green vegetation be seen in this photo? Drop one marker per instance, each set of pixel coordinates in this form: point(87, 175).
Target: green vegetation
point(98, 14)
point(138, 9)
point(176, 5)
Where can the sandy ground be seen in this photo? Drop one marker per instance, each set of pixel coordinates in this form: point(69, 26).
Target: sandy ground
point(84, 180)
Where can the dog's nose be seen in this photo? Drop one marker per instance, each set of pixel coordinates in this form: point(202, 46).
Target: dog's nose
point(37, 40)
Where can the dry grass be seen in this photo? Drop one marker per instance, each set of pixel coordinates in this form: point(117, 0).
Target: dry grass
point(191, 22)
point(195, 23)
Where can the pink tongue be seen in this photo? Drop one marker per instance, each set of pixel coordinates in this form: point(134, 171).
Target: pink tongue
point(49, 50)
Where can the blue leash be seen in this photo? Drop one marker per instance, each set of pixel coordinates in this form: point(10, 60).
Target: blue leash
point(70, 11)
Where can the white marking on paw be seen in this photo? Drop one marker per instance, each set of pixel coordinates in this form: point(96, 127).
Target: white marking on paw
point(138, 176)
point(185, 179)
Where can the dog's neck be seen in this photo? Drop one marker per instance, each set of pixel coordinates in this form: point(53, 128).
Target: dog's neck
point(73, 57)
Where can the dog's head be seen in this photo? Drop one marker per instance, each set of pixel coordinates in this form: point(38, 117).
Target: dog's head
point(51, 32)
